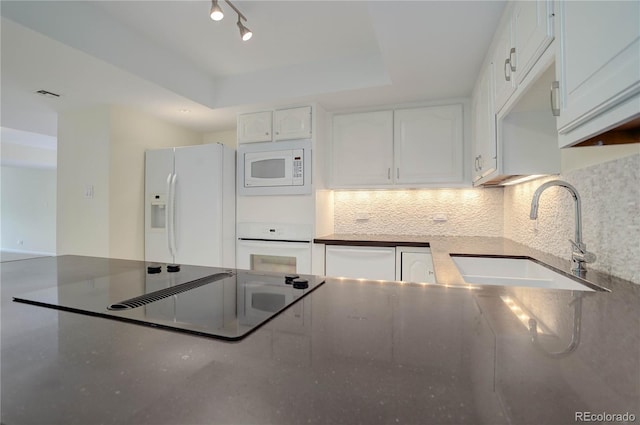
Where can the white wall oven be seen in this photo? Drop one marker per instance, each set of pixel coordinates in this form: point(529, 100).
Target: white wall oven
point(279, 248)
point(275, 168)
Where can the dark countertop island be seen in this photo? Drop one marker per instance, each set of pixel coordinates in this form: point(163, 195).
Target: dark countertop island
point(353, 352)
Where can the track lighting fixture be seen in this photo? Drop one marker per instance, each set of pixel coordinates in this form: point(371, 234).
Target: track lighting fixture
point(217, 15)
point(245, 33)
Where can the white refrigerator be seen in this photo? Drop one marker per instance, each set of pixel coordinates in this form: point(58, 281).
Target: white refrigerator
point(190, 205)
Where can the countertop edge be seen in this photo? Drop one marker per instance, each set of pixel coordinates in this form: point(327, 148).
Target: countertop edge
point(442, 246)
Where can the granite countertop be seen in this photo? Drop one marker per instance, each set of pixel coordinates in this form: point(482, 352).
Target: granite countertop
point(441, 246)
point(351, 352)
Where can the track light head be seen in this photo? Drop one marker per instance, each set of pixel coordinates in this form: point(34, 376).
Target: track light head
point(216, 13)
point(245, 32)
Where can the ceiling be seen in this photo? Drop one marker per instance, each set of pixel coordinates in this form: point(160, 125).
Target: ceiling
point(164, 57)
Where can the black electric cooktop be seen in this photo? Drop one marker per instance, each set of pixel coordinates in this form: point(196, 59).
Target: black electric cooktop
point(205, 301)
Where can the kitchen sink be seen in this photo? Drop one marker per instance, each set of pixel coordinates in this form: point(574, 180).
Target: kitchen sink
point(513, 271)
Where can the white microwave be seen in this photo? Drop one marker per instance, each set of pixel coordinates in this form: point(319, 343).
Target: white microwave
point(275, 168)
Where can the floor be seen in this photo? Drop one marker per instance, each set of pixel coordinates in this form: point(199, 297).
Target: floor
point(13, 256)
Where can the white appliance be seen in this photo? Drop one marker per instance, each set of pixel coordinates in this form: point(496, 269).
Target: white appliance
point(278, 168)
point(190, 205)
point(269, 247)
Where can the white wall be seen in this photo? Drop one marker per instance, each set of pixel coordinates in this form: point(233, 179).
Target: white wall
point(83, 162)
point(18, 155)
point(28, 209)
point(104, 147)
point(228, 138)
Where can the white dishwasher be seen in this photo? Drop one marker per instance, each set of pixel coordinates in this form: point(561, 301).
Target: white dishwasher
point(360, 262)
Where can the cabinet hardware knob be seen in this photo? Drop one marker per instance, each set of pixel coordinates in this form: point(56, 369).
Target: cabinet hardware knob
point(555, 107)
point(512, 59)
point(507, 66)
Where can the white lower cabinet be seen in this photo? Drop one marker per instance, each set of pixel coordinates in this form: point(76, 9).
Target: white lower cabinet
point(360, 262)
point(406, 263)
point(414, 265)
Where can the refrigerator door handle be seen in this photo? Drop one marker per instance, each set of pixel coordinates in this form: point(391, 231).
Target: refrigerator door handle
point(168, 214)
point(172, 241)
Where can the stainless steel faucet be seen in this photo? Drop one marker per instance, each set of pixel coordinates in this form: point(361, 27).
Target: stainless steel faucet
point(579, 254)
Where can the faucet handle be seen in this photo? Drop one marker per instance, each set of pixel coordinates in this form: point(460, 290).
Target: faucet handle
point(581, 254)
point(580, 247)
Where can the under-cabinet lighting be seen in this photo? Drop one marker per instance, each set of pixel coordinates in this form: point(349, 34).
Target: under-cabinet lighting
point(522, 179)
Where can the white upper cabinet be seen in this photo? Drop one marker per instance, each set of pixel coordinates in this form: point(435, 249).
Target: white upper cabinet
point(484, 126)
point(526, 32)
point(362, 150)
point(255, 127)
point(428, 145)
point(403, 148)
point(599, 67)
point(293, 123)
point(281, 124)
point(533, 33)
point(504, 81)
point(514, 129)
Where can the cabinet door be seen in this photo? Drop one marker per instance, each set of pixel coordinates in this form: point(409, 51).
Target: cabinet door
point(362, 150)
point(428, 145)
point(600, 61)
point(293, 123)
point(484, 127)
point(361, 262)
point(533, 32)
point(504, 81)
point(417, 267)
point(255, 127)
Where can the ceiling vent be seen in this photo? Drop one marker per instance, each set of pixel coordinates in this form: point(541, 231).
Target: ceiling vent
point(48, 94)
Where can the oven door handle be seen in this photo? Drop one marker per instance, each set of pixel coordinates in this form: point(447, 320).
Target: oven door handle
point(274, 240)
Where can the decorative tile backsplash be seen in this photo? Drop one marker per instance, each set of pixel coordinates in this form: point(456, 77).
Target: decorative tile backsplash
point(468, 212)
point(610, 194)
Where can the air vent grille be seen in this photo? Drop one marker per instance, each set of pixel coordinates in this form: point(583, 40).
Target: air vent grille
point(166, 292)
